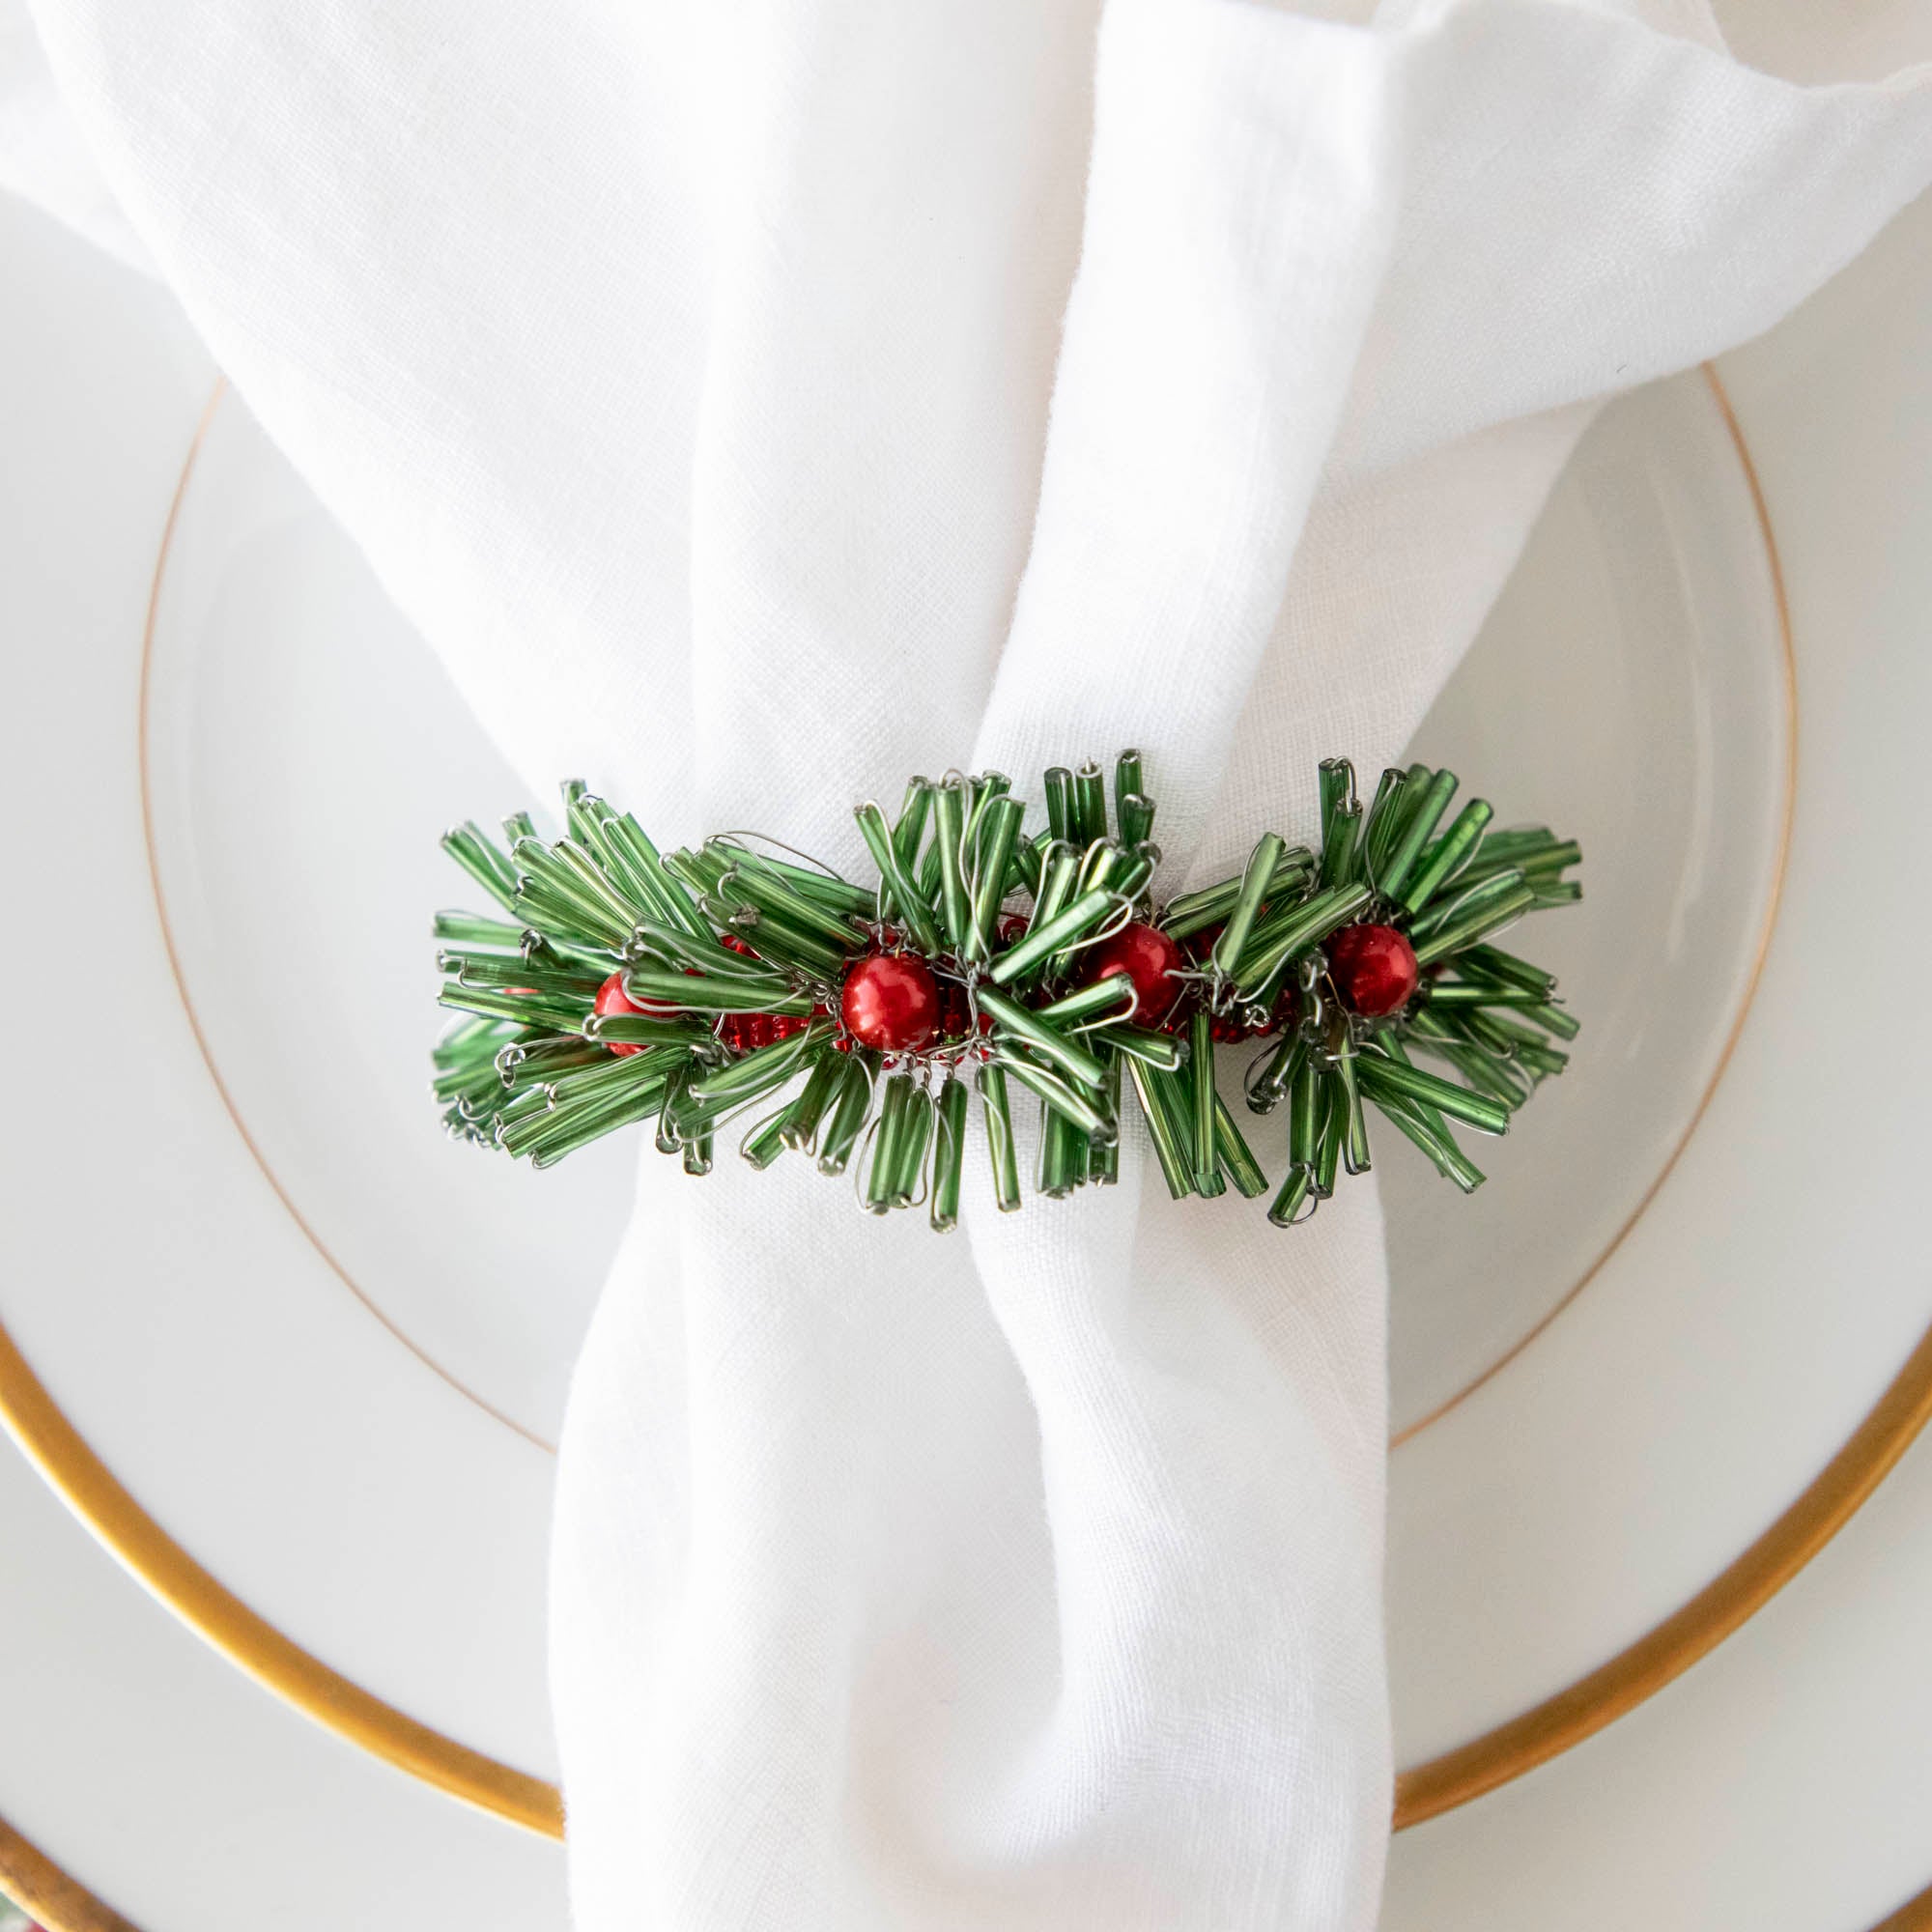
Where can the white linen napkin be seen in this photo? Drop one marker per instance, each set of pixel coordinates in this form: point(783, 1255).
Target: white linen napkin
point(756, 406)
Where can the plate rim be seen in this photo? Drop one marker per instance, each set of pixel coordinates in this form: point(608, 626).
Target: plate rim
point(1438, 1784)
point(54, 1899)
point(1761, 951)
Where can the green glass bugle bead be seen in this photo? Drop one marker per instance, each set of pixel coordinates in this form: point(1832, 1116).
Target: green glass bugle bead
point(948, 1154)
point(1334, 1128)
point(1002, 1151)
point(562, 1016)
point(1477, 922)
point(909, 827)
point(1090, 804)
point(1305, 1114)
point(1296, 1191)
point(1455, 908)
point(1045, 1084)
point(1098, 868)
point(761, 1071)
point(948, 831)
point(711, 993)
point(1341, 820)
point(1174, 1167)
point(915, 1141)
point(1041, 1038)
point(1059, 815)
point(1256, 879)
point(1442, 994)
point(1384, 823)
point(1433, 1139)
point(1058, 1141)
point(882, 1177)
point(781, 941)
point(1418, 827)
point(1194, 911)
point(1274, 949)
point(1151, 1049)
point(909, 905)
point(847, 1119)
point(1075, 922)
point(1491, 962)
point(1136, 872)
point(750, 880)
point(1116, 990)
point(1000, 827)
point(1443, 861)
point(1237, 1158)
point(468, 845)
point(1335, 792)
point(467, 928)
point(1207, 1159)
point(1411, 1083)
point(1341, 850)
point(764, 1144)
point(1354, 1129)
point(1553, 1019)
point(591, 879)
point(477, 1037)
point(799, 1125)
point(1269, 1084)
point(1103, 1157)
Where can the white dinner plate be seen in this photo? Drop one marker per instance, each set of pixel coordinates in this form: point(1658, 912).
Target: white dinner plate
point(298, 1358)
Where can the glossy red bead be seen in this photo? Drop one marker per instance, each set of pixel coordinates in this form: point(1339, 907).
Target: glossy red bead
point(1150, 958)
point(1374, 969)
point(891, 1003)
point(612, 998)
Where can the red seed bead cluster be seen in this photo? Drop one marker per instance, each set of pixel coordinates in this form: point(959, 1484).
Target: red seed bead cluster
point(746, 1033)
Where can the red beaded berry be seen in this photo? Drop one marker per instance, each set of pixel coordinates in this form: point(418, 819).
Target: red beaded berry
point(1374, 969)
point(612, 998)
point(890, 1003)
point(1150, 958)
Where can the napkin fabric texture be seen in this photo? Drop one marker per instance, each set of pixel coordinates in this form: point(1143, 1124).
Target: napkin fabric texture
point(756, 405)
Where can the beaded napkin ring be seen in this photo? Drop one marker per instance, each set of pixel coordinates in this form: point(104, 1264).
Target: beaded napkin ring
point(690, 988)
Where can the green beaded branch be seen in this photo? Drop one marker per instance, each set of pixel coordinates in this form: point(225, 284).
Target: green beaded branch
point(697, 988)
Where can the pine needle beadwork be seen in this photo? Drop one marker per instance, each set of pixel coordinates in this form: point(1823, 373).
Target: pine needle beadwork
point(846, 1022)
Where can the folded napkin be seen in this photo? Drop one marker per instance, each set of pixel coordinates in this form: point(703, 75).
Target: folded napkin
point(758, 404)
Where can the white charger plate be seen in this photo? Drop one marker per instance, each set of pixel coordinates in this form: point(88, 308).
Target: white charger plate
point(336, 1508)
